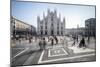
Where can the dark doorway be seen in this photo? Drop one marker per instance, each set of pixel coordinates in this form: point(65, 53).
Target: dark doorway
point(52, 32)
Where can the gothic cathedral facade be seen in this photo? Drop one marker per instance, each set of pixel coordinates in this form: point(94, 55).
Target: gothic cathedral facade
point(51, 24)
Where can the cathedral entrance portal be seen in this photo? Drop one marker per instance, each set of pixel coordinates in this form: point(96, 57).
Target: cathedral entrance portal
point(52, 32)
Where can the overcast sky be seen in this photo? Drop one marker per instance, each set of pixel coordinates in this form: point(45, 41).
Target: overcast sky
point(74, 14)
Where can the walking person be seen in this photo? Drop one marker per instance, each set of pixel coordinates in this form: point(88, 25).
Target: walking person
point(48, 38)
point(19, 40)
point(82, 43)
point(88, 39)
point(73, 42)
point(44, 43)
point(63, 42)
point(77, 38)
point(30, 40)
point(40, 44)
point(52, 42)
point(56, 40)
point(66, 43)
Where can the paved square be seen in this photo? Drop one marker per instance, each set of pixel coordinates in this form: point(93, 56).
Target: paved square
point(57, 52)
point(81, 50)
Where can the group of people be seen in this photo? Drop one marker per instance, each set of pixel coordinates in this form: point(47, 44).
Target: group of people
point(43, 42)
point(81, 43)
point(54, 41)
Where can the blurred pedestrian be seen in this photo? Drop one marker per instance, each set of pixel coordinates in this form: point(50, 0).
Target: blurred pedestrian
point(88, 39)
point(77, 38)
point(73, 42)
point(19, 40)
point(48, 38)
point(82, 43)
point(63, 42)
point(44, 43)
point(30, 40)
point(40, 44)
point(56, 40)
point(52, 42)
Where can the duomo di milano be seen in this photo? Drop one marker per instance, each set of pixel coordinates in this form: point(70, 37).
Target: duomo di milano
point(50, 24)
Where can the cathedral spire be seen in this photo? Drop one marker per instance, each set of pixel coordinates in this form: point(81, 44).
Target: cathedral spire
point(55, 12)
point(59, 16)
point(64, 20)
point(38, 19)
point(43, 15)
point(48, 11)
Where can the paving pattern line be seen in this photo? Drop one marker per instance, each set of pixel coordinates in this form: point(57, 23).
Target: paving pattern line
point(29, 60)
point(46, 61)
point(20, 53)
point(49, 53)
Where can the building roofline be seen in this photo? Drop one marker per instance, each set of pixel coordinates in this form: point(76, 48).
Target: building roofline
point(89, 19)
point(21, 21)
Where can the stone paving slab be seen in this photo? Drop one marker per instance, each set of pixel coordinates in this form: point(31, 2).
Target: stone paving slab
point(81, 50)
point(58, 55)
point(56, 52)
point(15, 51)
point(45, 59)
